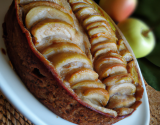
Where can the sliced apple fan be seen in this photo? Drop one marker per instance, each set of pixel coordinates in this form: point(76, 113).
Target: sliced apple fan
point(58, 41)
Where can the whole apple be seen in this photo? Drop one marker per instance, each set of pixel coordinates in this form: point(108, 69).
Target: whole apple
point(138, 35)
point(118, 10)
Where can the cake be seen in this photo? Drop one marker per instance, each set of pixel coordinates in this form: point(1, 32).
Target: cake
point(72, 58)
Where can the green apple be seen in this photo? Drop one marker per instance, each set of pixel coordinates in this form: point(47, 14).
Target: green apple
point(138, 35)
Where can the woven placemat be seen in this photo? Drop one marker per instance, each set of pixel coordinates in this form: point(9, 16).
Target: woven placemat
point(154, 104)
point(9, 115)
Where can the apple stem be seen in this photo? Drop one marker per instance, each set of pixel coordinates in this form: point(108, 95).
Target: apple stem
point(145, 33)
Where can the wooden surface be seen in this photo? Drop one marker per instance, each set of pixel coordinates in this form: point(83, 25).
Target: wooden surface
point(11, 116)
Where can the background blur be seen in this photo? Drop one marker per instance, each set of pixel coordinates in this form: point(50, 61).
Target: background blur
point(149, 12)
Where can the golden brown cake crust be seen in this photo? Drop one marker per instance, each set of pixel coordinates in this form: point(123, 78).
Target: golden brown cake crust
point(40, 81)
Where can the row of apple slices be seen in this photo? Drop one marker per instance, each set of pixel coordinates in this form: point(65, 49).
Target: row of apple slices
point(108, 63)
point(42, 16)
point(71, 63)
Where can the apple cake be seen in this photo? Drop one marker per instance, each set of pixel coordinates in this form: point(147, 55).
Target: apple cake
point(72, 58)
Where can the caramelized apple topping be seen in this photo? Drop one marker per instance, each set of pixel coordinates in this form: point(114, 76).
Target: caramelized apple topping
point(109, 56)
point(123, 50)
point(108, 82)
point(58, 40)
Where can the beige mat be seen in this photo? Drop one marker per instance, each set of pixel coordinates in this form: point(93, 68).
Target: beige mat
point(10, 115)
point(154, 104)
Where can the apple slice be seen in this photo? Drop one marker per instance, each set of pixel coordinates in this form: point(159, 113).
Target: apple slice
point(132, 69)
point(104, 50)
point(112, 69)
point(56, 4)
point(120, 45)
point(99, 29)
point(48, 41)
point(108, 45)
point(22, 2)
point(119, 101)
point(118, 79)
point(124, 111)
point(100, 108)
point(52, 27)
point(97, 94)
point(126, 55)
point(110, 54)
point(61, 59)
point(107, 60)
point(99, 38)
point(96, 24)
point(93, 18)
point(77, 1)
point(79, 5)
point(122, 89)
point(61, 47)
point(84, 12)
point(81, 74)
point(40, 13)
point(115, 54)
point(88, 84)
